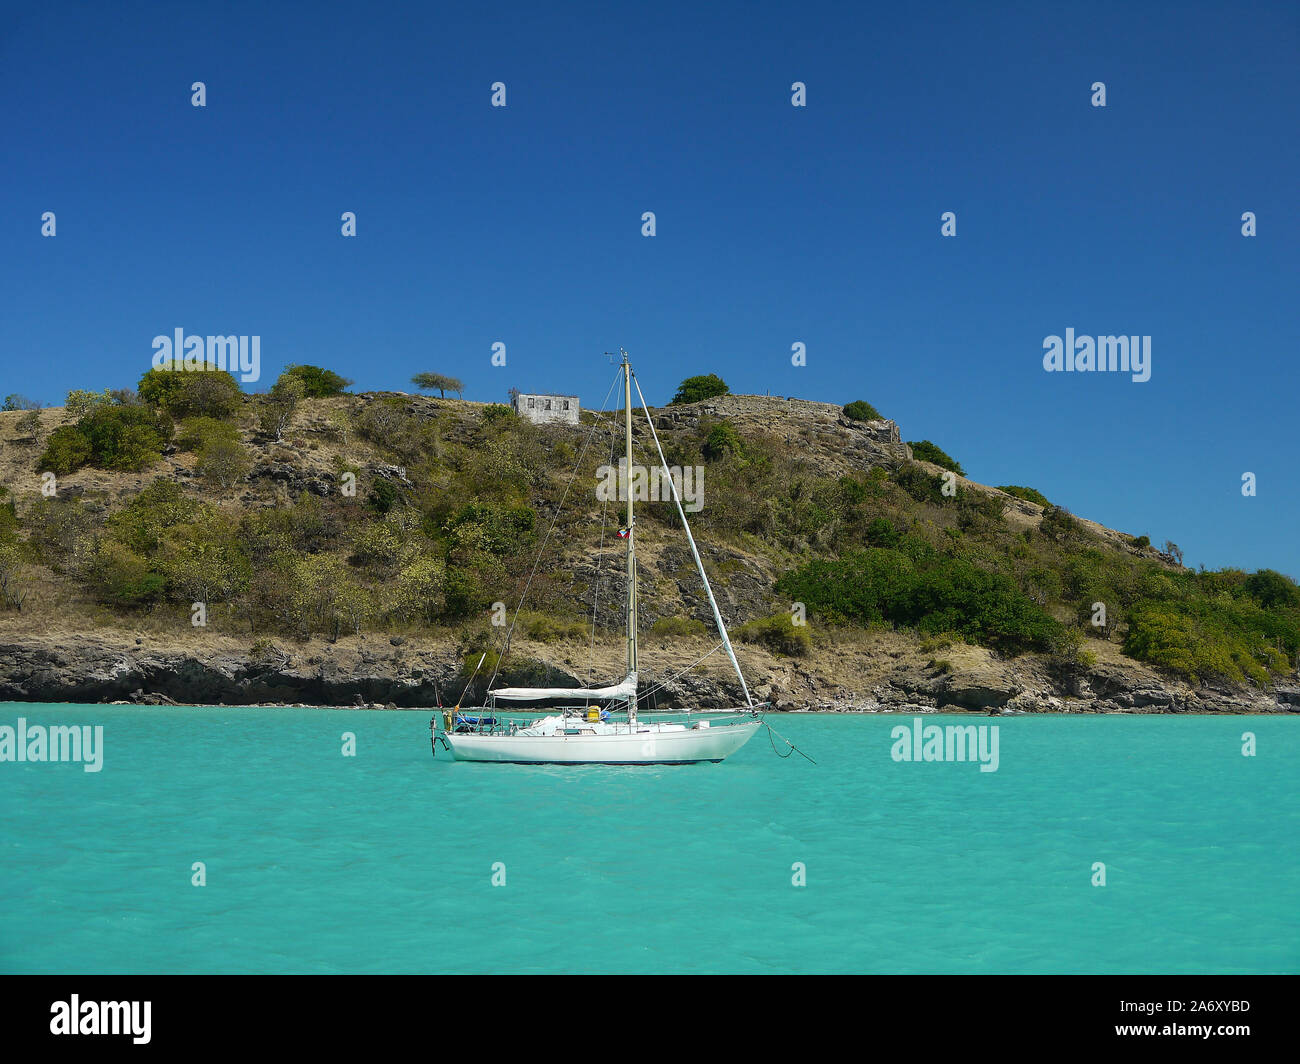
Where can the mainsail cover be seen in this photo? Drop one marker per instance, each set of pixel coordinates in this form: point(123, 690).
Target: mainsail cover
point(624, 690)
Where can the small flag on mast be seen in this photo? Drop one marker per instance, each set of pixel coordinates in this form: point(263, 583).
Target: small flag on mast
point(623, 533)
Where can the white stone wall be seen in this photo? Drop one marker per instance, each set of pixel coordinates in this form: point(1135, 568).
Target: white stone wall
point(544, 409)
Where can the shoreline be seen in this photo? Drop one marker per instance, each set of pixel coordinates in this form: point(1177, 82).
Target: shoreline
point(885, 673)
point(1283, 710)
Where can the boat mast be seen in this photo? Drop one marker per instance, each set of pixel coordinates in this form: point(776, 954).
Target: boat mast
point(631, 535)
point(699, 564)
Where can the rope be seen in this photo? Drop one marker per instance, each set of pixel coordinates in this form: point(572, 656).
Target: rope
point(773, 742)
point(663, 683)
point(793, 749)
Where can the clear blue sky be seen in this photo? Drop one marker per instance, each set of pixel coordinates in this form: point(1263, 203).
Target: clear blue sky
point(775, 224)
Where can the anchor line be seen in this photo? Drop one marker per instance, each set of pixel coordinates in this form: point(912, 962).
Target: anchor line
point(772, 732)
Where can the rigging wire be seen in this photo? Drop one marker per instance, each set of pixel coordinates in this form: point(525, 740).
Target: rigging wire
point(600, 564)
point(663, 683)
point(505, 649)
point(699, 564)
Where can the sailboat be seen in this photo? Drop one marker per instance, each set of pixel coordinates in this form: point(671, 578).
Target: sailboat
point(600, 725)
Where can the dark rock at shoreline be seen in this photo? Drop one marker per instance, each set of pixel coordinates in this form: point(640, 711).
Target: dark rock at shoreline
point(88, 669)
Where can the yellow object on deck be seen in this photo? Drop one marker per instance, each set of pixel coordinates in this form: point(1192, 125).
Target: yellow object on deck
point(593, 713)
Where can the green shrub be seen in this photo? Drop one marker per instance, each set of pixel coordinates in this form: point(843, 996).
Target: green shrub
point(9, 523)
point(696, 389)
point(1221, 624)
point(1141, 542)
point(378, 546)
point(28, 426)
point(1059, 524)
point(1042, 583)
point(779, 634)
point(382, 496)
point(14, 588)
point(925, 451)
point(120, 577)
point(222, 462)
point(723, 439)
point(393, 423)
point(861, 410)
point(143, 521)
point(547, 629)
point(265, 652)
point(66, 451)
point(163, 542)
point(195, 432)
point(464, 591)
point(494, 528)
point(979, 513)
point(203, 559)
point(275, 409)
point(60, 533)
point(852, 490)
point(495, 412)
point(1271, 589)
point(920, 588)
point(125, 438)
point(209, 392)
point(1198, 648)
point(1028, 494)
point(677, 627)
point(1067, 652)
point(920, 485)
point(318, 383)
point(882, 533)
point(79, 403)
point(309, 526)
point(420, 586)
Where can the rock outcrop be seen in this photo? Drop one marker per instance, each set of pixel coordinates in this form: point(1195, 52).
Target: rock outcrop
point(379, 672)
point(801, 423)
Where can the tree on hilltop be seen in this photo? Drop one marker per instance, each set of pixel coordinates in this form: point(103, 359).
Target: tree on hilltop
point(427, 382)
point(696, 389)
point(318, 383)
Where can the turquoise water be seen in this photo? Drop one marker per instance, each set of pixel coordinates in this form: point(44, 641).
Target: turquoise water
point(383, 862)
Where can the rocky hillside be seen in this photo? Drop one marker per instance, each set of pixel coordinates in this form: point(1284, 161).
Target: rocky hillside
point(360, 557)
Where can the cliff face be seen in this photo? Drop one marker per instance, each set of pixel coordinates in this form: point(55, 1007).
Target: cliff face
point(882, 674)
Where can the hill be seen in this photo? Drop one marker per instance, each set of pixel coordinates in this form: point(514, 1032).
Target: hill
point(354, 547)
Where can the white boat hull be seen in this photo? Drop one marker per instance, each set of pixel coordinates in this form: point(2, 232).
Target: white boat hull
point(643, 747)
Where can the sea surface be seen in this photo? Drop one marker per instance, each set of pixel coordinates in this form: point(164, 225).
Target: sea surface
point(384, 861)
